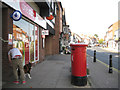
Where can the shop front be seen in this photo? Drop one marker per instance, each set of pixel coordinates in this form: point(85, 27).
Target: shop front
point(26, 32)
point(26, 38)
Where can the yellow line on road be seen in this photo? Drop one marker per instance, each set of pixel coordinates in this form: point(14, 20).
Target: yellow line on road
point(105, 64)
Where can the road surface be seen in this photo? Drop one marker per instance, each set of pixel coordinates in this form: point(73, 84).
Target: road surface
point(103, 55)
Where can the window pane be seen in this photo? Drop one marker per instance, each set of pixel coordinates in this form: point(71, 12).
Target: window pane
point(23, 34)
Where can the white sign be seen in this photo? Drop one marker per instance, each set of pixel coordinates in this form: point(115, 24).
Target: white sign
point(45, 32)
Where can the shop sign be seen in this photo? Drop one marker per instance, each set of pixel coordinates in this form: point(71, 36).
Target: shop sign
point(45, 32)
point(26, 10)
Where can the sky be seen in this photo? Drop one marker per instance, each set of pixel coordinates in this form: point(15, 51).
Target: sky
point(90, 16)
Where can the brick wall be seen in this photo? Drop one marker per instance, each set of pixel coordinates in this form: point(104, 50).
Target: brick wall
point(41, 49)
point(7, 24)
point(58, 29)
point(49, 45)
point(0, 44)
point(56, 37)
point(52, 41)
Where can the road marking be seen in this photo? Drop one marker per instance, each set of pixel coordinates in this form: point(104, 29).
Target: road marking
point(116, 56)
point(105, 64)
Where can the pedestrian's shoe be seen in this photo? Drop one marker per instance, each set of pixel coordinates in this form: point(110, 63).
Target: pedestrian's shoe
point(23, 82)
point(16, 82)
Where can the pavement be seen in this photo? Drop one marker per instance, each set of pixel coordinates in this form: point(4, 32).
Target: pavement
point(54, 72)
point(99, 76)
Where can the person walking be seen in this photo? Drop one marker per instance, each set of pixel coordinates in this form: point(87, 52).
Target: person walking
point(15, 59)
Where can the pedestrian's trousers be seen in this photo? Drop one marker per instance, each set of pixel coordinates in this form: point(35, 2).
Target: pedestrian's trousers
point(18, 63)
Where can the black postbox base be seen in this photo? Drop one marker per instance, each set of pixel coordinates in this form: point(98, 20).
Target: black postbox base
point(79, 81)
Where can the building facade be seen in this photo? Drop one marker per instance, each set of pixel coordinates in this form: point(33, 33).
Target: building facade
point(112, 37)
point(28, 33)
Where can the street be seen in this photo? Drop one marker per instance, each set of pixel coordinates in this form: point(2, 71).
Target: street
point(103, 55)
point(42, 45)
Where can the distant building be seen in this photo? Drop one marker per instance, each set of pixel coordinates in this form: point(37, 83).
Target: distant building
point(75, 38)
point(112, 37)
point(88, 39)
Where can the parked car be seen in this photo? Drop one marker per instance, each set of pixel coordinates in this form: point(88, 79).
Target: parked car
point(97, 45)
point(90, 45)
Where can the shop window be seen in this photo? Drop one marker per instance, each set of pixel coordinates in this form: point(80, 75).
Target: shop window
point(25, 37)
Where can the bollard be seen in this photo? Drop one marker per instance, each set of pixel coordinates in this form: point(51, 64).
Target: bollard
point(110, 64)
point(94, 59)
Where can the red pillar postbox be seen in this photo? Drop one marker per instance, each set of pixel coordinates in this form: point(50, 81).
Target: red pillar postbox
point(78, 64)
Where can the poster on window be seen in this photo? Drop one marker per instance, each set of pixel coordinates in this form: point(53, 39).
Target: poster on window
point(10, 39)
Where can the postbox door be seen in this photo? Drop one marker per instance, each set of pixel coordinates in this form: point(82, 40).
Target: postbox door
point(78, 59)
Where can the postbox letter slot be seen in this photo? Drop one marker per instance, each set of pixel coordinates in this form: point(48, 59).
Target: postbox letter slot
point(73, 49)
